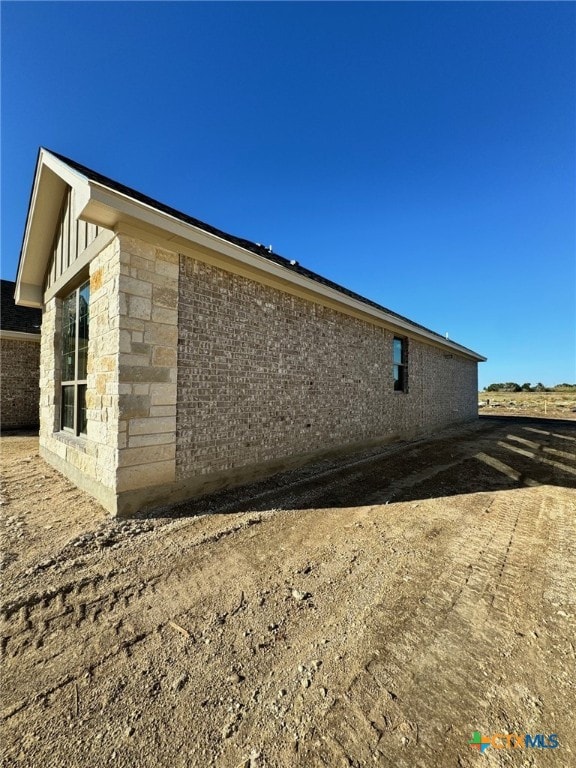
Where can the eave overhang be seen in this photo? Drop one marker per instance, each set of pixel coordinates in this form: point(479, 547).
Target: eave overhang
point(109, 208)
point(19, 336)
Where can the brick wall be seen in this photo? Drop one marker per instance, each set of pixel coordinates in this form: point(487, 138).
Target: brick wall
point(263, 375)
point(20, 394)
point(195, 373)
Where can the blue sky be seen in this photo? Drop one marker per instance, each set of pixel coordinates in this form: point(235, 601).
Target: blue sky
point(421, 154)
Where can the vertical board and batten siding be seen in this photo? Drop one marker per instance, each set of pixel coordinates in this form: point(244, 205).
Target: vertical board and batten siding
point(72, 236)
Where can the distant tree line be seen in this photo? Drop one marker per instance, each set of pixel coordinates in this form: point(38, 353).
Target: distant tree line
point(511, 386)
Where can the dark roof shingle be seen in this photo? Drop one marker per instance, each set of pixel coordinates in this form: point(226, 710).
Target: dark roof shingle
point(15, 318)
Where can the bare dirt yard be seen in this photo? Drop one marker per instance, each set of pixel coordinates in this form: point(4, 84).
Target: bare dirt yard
point(371, 611)
point(556, 404)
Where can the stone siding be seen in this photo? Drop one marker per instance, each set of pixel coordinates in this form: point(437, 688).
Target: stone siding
point(20, 394)
point(148, 324)
point(90, 461)
point(263, 375)
point(131, 386)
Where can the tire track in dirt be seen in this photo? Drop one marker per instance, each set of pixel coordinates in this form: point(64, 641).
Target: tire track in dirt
point(44, 615)
point(96, 620)
point(430, 650)
point(371, 723)
point(560, 590)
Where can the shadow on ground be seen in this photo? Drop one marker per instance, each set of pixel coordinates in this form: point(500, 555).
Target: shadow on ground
point(496, 453)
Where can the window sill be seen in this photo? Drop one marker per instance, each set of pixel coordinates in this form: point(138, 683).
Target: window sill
point(80, 442)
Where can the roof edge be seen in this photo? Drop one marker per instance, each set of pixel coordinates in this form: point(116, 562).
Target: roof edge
point(90, 185)
point(51, 176)
point(168, 221)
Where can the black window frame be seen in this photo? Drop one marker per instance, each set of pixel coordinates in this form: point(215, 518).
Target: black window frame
point(78, 383)
point(400, 364)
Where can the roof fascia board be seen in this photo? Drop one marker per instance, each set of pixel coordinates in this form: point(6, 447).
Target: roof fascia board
point(71, 176)
point(28, 295)
point(19, 335)
point(110, 208)
point(233, 265)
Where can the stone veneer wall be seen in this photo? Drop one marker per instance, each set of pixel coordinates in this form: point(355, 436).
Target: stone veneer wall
point(264, 375)
point(131, 389)
point(90, 462)
point(148, 327)
point(20, 396)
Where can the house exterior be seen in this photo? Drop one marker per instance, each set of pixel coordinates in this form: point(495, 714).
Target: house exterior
point(177, 359)
point(19, 361)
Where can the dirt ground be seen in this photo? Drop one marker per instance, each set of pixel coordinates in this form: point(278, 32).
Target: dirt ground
point(556, 404)
point(374, 611)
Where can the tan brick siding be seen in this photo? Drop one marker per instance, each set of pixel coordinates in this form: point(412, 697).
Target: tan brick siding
point(263, 375)
point(20, 393)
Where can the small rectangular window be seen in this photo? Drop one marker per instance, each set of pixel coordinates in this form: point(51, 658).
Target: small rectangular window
point(75, 324)
point(399, 359)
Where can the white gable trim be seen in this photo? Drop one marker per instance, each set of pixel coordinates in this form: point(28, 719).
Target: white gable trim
point(51, 179)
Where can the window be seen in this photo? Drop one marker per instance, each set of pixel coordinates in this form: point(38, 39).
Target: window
point(75, 321)
point(400, 368)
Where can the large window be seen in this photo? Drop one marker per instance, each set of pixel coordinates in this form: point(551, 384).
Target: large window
point(75, 322)
point(400, 367)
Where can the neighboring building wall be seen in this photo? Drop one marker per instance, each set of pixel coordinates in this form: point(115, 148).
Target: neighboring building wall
point(20, 366)
point(90, 462)
point(264, 375)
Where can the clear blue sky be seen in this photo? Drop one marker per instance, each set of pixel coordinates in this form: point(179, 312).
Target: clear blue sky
point(420, 154)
